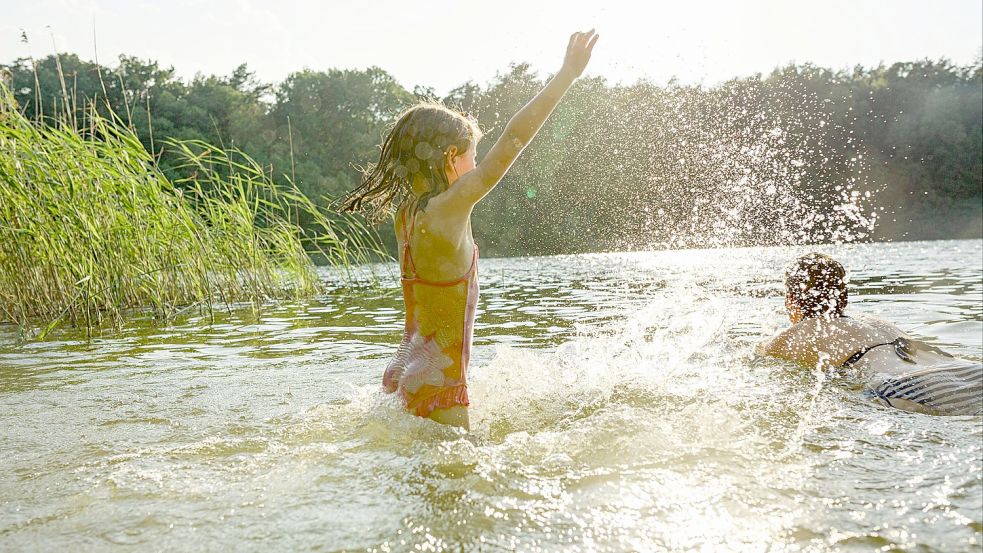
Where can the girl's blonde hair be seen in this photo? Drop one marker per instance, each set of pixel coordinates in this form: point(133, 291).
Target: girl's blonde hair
point(417, 147)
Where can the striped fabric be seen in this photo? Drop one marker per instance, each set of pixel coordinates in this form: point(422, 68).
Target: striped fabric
point(951, 389)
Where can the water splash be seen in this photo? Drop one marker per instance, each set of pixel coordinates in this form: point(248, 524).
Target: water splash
point(748, 162)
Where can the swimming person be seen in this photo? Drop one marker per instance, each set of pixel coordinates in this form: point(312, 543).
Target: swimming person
point(902, 372)
point(427, 168)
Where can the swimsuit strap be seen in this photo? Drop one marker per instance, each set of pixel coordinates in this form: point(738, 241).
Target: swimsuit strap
point(902, 348)
point(926, 347)
point(407, 235)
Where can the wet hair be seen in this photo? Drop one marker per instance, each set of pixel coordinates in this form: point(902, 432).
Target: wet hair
point(416, 148)
point(816, 284)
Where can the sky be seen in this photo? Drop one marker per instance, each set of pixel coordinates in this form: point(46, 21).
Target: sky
point(445, 44)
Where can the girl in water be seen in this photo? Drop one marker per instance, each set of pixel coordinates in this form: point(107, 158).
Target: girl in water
point(427, 168)
point(902, 372)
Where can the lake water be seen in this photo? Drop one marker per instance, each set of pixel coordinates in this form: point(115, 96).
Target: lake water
point(617, 405)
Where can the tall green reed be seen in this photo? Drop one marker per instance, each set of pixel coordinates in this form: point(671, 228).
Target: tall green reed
point(91, 229)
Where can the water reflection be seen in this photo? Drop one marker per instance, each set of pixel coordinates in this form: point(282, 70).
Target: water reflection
point(617, 406)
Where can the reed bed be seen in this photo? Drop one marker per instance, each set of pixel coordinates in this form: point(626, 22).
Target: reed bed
point(91, 229)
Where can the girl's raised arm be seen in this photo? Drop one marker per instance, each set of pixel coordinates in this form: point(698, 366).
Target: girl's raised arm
point(525, 124)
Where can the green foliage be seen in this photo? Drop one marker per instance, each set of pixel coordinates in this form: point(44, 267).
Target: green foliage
point(804, 154)
point(333, 120)
point(90, 227)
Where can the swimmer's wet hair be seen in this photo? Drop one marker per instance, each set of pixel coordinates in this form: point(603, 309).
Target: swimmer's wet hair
point(417, 147)
point(816, 284)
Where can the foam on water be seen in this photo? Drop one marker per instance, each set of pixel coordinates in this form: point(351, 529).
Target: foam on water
point(647, 432)
point(641, 420)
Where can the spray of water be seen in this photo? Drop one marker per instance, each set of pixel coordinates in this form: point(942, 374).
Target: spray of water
point(748, 162)
point(648, 430)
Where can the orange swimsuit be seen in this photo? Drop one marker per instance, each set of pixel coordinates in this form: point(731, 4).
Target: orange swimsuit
point(429, 371)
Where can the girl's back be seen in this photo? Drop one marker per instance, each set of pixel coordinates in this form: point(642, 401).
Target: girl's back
point(429, 370)
point(442, 246)
point(898, 371)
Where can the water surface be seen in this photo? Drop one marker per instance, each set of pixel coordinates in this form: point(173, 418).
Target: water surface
point(617, 406)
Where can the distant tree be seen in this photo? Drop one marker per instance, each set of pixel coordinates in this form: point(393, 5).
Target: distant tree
point(804, 153)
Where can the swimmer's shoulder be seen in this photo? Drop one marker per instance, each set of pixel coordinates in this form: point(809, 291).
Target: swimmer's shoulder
point(795, 343)
point(820, 340)
point(868, 329)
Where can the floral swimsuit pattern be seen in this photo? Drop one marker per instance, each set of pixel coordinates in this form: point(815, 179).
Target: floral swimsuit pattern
point(429, 371)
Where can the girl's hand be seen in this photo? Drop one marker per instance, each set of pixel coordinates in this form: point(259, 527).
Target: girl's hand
point(473, 185)
point(578, 52)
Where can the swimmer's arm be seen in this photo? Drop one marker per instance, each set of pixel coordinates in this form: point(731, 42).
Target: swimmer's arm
point(525, 124)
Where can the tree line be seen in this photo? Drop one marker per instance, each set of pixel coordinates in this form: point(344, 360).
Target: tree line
point(803, 154)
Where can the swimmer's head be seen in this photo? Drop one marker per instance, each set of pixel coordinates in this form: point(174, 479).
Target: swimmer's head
point(815, 286)
point(428, 148)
